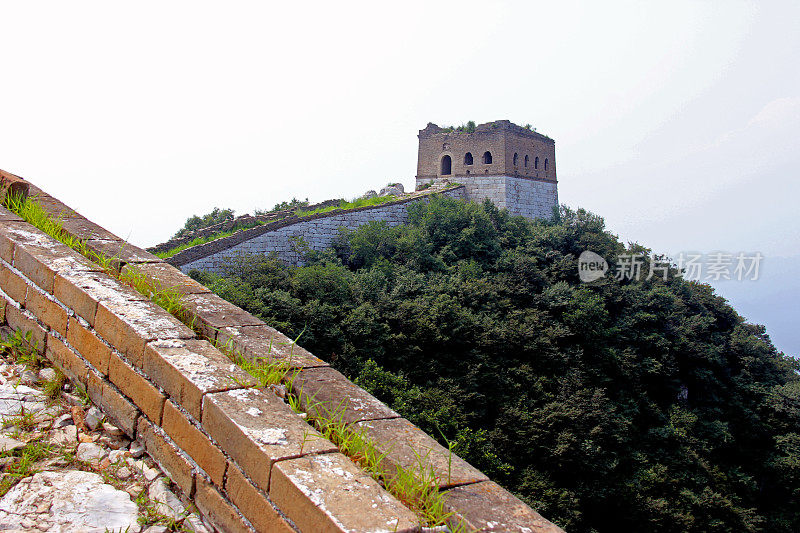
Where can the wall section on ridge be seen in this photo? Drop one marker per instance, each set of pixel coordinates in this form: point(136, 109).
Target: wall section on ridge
point(316, 231)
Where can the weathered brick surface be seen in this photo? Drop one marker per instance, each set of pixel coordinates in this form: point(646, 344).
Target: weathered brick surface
point(3, 305)
point(253, 504)
point(256, 429)
point(404, 445)
point(171, 278)
point(116, 406)
point(39, 257)
point(137, 388)
point(130, 325)
point(328, 493)
point(86, 230)
point(486, 506)
point(7, 243)
point(194, 442)
point(217, 509)
point(13, 285)
point(8, 216)
point(188, 369)
point(324, 391)
point(167, 455)
point(14, 232)
point(121, 252)
point(20, 321)
point(212, 313)
point(82, 291)
point(88, 345)
point(55, 208)
point(66, 360)
point(47, 311)
point(264, 342)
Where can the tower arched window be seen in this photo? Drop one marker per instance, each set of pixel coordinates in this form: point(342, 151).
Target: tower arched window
point(545, 165)
point(447, 165)
point(516, 159)
point(468, 158)
point(526, 161)
point(487, 158)
point(536, 163)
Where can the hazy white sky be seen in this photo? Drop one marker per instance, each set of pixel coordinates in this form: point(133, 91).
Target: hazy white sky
point(679, 122)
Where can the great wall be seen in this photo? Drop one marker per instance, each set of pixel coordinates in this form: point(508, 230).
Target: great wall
point(291, 236)
point(238, 451)
point(510, 165)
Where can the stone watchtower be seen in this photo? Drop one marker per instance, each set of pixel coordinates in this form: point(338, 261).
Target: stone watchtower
point(512, 166)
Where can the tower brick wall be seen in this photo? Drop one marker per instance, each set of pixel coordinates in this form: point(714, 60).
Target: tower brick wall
point(520, 175)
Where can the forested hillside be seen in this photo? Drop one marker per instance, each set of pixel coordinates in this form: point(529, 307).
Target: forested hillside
point(617, 405)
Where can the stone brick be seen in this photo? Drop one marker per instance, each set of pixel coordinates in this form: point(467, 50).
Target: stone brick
point(254, 342)
point(188, 369)
point(39, 257)
point(8, 216)
point(116, 407)
point(171, 278)
point(211, 313)
point(19, 320)
point(55, 208)
point(9, 236)
point(129, 325)
point(217, 509)
point(12, 284)
point(137, 388)
point(326, 391)
point(3, 305)
point(88, 345)
point(256, 429)
point(252, 503)
point(121, 252)
point(404, 445)
point(47, 311)
point(66, 360)
point(81, 292)
point(192, 441)
point(328, 493)
point(87, 230)
point(166, 454)
point(486, 506)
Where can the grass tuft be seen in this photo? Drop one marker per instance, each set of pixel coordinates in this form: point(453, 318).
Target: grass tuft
point(52, 388)
point(23, 468)
point(344, 205)
point(22, 349)
point(417, 488)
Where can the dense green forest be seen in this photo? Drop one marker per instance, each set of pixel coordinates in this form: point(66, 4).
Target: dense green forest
point(618, 405)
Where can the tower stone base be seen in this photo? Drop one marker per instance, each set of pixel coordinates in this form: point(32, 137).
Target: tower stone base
point(521, 196)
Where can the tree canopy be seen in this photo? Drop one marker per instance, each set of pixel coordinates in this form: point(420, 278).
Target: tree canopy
point(644, 405)
point(195, 222)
